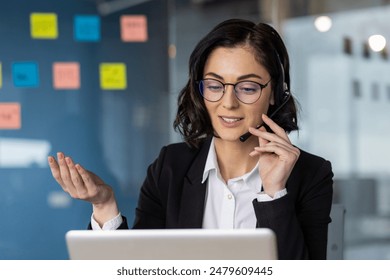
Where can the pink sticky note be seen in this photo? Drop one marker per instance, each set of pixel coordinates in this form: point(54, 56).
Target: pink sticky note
point(66, 75)
point(10, 116)
point(134, 28)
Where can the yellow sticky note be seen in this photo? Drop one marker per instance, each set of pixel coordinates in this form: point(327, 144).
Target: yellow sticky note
point(43, 25)
point(113, 76)
point(1, 76)
point(10, 116)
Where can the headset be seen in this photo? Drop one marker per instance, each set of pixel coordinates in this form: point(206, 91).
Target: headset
point(286, 98)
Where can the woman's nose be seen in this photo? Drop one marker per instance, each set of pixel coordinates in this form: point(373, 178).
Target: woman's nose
point(229, 98)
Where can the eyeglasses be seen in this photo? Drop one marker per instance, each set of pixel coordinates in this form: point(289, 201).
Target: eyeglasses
point(247, 92)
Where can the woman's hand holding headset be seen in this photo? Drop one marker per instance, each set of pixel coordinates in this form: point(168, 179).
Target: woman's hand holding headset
point(277, 156)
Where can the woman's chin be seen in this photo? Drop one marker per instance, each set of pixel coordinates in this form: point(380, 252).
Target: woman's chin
point(229, 137)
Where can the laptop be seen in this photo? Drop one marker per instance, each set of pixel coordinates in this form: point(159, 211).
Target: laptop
point(172, 244)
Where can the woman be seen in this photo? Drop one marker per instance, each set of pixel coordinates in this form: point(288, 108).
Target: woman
point(239, 74)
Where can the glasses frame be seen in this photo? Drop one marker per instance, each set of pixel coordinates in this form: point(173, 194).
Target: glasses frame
point(201, 82)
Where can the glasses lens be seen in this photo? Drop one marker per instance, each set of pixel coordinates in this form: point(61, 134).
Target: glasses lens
point(248, 92)
point(212, 90)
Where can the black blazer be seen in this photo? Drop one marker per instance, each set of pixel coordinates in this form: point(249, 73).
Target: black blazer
point(172, 196)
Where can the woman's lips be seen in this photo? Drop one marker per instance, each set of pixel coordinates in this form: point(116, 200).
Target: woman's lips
point(230, 121)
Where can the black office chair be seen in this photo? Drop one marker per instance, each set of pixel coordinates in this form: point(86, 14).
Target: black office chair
point(335, 250)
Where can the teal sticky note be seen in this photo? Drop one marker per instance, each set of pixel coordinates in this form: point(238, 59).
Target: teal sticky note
point(87, 28)
point(25, 74)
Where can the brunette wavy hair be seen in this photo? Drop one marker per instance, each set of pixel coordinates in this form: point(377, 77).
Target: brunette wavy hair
point(192, 119)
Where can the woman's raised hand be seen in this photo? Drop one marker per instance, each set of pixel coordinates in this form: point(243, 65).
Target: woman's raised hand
point(82, 184)
point(277, 156)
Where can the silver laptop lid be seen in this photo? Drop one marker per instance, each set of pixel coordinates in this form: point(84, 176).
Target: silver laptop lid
point(181, 244)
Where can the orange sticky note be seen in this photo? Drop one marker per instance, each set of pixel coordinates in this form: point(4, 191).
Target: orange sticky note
point(66, 75)
point(134, 28)
point(10, 116)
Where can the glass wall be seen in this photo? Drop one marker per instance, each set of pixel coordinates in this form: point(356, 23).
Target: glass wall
point(341, 77)
point(87, 79)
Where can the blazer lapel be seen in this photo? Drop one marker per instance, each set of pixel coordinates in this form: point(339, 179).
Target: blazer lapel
point(194, 192)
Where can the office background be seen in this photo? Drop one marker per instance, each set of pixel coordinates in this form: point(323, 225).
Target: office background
point(113, 110)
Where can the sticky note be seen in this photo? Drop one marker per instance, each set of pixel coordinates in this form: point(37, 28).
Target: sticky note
point(113, 76)
point(43, 25)
point(25, 74)
point(134, 28)
point(66, 75)
point(10, 116)
point(87, 28)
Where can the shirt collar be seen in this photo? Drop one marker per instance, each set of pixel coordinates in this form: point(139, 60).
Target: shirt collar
point(211, 162)
point(252, 178)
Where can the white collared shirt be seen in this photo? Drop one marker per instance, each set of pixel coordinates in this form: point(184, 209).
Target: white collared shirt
point(229, 205)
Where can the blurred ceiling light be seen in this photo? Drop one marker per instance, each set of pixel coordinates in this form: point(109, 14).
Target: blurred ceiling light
point(323, 23)
point(377, 42)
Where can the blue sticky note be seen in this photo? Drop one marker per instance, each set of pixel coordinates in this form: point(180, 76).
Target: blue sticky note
point(87, 28)
point(25, 74)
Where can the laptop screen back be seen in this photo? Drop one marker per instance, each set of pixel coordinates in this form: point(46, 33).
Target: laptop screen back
point(181, 244)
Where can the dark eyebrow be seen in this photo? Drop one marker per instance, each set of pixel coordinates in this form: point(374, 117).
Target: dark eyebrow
point(240, 78)
point(214, 75)
point(243, 77)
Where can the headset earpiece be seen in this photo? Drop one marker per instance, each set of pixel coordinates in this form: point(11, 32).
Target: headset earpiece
point(285, 88)
point(286, 91)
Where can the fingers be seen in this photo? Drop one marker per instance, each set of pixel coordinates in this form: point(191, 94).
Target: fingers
point(263, 141)
point(275, 128)
point(276, 155)
point(90, 181)
point(78, 185)
point(68, 176)
point(266, 137)
point(279, 134)
point(277, 143)
point(284, 152)
point(65, 174)
point(55, 169)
